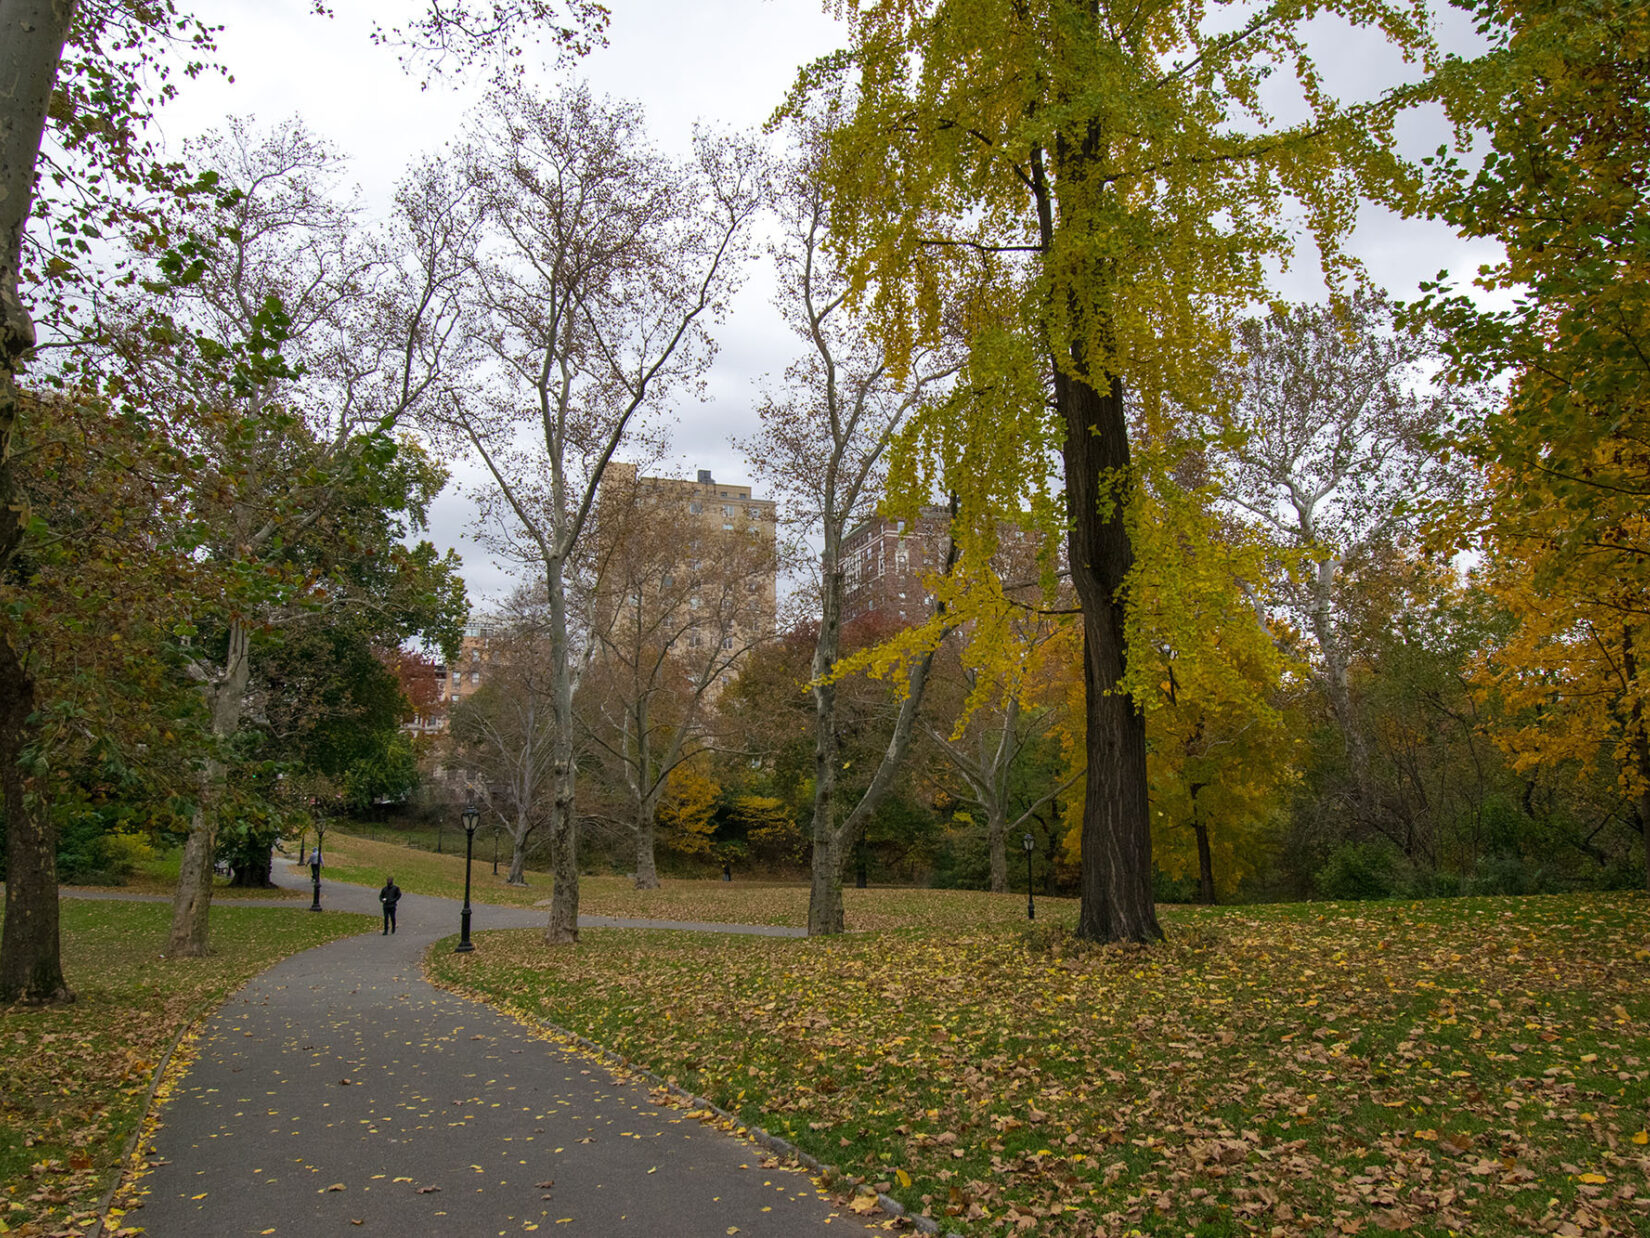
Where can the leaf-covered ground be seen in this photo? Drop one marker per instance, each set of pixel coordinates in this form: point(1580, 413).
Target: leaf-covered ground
point(73, 1079)
point(1466, 1067)
point(367, 862)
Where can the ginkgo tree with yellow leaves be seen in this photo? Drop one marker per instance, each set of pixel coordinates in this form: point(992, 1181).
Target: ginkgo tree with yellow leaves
point(1095, 192)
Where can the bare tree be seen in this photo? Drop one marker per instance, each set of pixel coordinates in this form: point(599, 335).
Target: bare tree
point(1335, 415)
point(823, 443)
point(679, 604)
point(601, 266)
point(505, 732)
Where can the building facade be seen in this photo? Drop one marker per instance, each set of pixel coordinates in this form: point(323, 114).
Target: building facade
point(886, 562)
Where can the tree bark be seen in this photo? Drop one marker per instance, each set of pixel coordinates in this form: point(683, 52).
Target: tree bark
point(1205, 860)
point(192, 903)
point(30, 959)
point(1116, 872)
point(647, 870)
point(1115, 881)
point(32, 33)
point(996, 829)
point(563, 926)
point(1641, 742)
point(825, 914)
point(518, 850)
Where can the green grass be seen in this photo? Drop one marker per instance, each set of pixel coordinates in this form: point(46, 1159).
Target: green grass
point(73, 1079)
point(1475, 1066)
point(159, 875)
point(367, 862)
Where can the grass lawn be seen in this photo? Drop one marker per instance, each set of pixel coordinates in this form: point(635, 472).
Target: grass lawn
point(159, 875)
point(1473, 1067)
point(367, 862)
point(73, 1079)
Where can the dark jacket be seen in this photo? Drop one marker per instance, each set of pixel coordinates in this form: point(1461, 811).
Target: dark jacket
point(390, 895)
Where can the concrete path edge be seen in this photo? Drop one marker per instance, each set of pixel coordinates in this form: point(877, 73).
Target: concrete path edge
point(740, 1128)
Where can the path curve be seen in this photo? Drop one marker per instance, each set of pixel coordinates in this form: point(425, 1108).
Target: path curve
point(341, 1093)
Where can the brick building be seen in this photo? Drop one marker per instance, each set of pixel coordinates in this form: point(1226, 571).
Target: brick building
point(884, 563)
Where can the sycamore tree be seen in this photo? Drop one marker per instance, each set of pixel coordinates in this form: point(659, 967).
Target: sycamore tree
point(1332, 455)
point(823, 444)
point(1562, 97)
point(600, 266)
point(281, 354)
point(1098, 191)
point(84, 79)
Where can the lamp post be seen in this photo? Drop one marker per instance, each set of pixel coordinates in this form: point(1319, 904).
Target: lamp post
point(1028, 842)
point(469, 816)
point(495, 849)
point(315, 857)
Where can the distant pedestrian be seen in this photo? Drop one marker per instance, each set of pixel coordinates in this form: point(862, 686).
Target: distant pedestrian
point(315, 864)
point(389, 896)
point(727, 871)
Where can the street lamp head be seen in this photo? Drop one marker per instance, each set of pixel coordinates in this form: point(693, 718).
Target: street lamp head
point(470, 816)
point(1028, 842)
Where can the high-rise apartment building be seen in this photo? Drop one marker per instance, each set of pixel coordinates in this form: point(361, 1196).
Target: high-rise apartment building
point(693, 529)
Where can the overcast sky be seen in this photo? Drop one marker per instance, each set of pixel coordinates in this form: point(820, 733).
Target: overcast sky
point(723, 61)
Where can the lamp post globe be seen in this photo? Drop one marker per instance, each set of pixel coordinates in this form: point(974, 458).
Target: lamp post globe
point(469, 817)
point(1030, 844)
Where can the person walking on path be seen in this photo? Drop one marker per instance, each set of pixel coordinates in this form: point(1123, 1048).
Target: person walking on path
point(315, 864)
point(389, 896)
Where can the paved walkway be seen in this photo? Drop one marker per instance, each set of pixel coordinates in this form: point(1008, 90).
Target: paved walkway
point(339, 1093)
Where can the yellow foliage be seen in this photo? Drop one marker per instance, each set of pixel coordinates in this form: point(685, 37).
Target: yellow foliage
point(687, 808)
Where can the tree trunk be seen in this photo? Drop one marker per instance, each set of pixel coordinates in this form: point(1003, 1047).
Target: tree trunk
point(825, 890)
point(1205, 861)
point(192, 903)
point(253, 876)
point(31, 969)
point(31, 44)
point(996, 829)
point(1641, 742)
point(518, 851)
point(563, 926)
point(1116, 873)
point(647, 871)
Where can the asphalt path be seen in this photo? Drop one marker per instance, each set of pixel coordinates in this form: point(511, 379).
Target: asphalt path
point(341, 1093)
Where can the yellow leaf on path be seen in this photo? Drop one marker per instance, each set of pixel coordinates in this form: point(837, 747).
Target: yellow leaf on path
point(336, 1186)
point(903, 1178)
point(1593, 1179)
point(202, 1195)
point(863, 1204)
point(1643, 1137)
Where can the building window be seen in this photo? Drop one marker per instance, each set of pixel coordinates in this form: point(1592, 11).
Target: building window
point(727, 526)
point(694, 601)
point(475, 676)
point(727, 642)
point(727, 509)
point(753, 513)
point(696, 507)
point(669, 580)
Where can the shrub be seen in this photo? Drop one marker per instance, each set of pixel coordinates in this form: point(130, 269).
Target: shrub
point(1360, 871)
